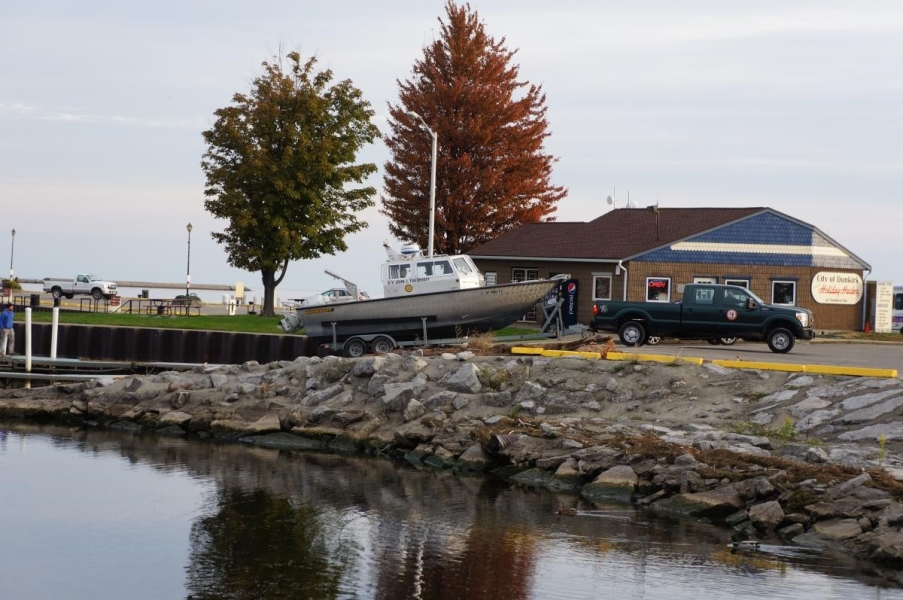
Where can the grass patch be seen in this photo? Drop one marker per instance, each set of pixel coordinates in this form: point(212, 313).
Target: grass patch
point(785, 432)
point(235, 323)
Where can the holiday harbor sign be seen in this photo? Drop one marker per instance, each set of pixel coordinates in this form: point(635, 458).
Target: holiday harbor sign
point(836, 288)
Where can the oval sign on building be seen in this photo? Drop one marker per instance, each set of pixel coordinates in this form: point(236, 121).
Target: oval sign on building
point(829, 287)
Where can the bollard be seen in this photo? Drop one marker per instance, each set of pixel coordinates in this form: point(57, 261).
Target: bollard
point(54, 329)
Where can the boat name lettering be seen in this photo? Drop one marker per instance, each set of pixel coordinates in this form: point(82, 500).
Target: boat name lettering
point(314, 311)
point(400, 281)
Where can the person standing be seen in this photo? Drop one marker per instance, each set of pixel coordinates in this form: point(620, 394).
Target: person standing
point(7, 334)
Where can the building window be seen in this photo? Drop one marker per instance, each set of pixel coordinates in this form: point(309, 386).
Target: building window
point(658, 289)
point(491, 277)
point(602, 287)
point(744, 283)
point(521, 274)
point(783, 292)
point(518, 274)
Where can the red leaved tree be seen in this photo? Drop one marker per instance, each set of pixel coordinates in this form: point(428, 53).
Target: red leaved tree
point(492, 174)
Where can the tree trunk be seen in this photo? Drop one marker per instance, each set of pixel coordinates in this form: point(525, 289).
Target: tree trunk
point(268, 278)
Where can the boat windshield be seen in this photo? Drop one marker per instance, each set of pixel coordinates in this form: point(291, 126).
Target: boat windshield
point(462, 265)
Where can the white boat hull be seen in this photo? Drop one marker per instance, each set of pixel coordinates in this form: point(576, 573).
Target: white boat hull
point(438, 314)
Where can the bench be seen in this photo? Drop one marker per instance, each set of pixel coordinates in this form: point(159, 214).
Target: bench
point(174, 306)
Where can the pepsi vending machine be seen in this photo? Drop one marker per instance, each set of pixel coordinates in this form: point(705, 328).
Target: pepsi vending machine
point(568, 292)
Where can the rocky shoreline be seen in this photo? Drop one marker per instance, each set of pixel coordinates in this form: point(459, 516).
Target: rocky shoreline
point(808, 460)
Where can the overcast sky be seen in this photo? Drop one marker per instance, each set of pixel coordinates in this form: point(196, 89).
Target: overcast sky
point(797, 106)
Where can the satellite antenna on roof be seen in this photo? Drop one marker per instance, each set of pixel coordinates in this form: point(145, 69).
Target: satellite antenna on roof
point(611, 199)
point(630, 203)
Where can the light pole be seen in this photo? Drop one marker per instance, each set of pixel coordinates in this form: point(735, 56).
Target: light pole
point(188, 267)
point(12, 252)
point(432, 133)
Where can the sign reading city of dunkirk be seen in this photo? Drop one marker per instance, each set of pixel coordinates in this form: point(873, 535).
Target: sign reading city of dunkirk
point(836, 288)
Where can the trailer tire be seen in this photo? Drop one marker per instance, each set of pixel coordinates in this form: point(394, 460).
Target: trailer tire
point(653, 340)
point(69, 296)
point(632, 333)
point(780, 340)
point(57, 293)
point(354, 348)
point(728, 341)
point(382, 344)
point(714, 341)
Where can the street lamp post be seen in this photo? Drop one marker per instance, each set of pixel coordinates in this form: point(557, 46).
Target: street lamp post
point(12, 252)
point(434, 137)
point(188, 267)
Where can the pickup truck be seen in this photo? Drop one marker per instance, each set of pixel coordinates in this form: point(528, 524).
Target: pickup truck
point(82, 284)
point(707, 312)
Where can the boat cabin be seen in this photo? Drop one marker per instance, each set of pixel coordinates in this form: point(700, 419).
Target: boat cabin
point(403, 276)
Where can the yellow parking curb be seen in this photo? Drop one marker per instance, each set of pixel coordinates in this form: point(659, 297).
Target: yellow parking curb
point(749, 364)
point(526, 350)
point(855, 371)
point(662, 358)
point(560, 353)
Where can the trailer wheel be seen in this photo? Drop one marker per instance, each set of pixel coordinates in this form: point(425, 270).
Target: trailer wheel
point(354, 348)
point(69, 296)
point(382, 344)
point(57, 293)
point(728, 341)
point(780, 340)
point(653, 340)
point(632, 333)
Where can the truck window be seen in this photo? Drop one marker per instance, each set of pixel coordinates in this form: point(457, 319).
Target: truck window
point(704, 296)
point(734, 298)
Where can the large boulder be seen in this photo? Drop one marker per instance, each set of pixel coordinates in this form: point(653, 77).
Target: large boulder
point(713, 504)
point(617, 483)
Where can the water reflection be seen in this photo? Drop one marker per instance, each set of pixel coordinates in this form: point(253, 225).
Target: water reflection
point(259, 523)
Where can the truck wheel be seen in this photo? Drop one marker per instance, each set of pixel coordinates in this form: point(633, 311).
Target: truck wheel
point(653, 340)
point(57, 293)
point(382, 344)
point(728, 341)
point(780, 340)
point(97, 293)
point(354, 348)
point(632, 333)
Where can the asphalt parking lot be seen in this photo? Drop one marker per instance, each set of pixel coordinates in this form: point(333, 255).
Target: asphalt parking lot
point(876, 355)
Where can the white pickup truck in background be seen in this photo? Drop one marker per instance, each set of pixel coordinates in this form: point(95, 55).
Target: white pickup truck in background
point(86, 284)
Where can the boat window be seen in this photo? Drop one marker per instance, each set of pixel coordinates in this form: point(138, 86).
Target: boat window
point(462, 265)
point(398, 271)
point(442, 267)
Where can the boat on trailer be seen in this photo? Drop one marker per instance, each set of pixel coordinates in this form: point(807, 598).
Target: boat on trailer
point(425, 298)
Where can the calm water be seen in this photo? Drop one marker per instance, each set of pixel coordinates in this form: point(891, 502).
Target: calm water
point(92, 514)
